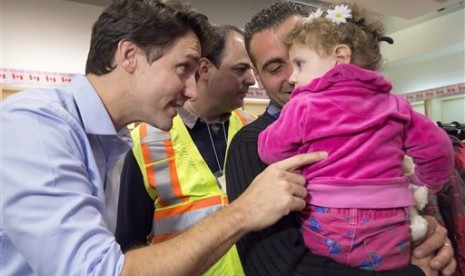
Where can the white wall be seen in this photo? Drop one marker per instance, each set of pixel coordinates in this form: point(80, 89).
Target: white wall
point(53, 35)
point(453, 109)
point(427, 55)
point(229, 11)
point(46, 35)
point(419, 107)
point(423, 75)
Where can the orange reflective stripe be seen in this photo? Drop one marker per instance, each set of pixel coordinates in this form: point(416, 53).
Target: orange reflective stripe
point(142, 131)
point(241, 117)
point(175, 185)
point(147, 158)
point(195, 205)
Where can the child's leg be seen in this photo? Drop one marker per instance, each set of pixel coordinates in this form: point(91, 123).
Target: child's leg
point(369, 239)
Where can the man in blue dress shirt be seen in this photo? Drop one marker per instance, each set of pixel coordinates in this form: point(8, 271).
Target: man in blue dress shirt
point(58, 144)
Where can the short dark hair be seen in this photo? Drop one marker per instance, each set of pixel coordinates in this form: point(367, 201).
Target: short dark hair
point(153, 25)
point(216, 52)
point(271, 17)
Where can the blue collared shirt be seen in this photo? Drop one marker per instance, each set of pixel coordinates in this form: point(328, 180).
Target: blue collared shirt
point(56, 148)
point(273, 110)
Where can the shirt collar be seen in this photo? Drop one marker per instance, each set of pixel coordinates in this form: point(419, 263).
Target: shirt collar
point(94, 115)
point(273, 110)
point(190, 118)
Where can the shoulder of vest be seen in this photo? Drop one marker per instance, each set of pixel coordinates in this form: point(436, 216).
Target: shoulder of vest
point(249, 117)
point(145, 133)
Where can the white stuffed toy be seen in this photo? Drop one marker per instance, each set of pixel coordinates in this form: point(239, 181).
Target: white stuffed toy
point(418, 224)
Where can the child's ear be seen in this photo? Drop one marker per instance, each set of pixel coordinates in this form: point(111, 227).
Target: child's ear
point(343, 54)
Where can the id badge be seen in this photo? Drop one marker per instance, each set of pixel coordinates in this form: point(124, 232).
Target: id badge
point(222, 182)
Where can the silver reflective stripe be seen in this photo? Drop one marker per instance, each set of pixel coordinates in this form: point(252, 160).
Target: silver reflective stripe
point(155, 140)
point(154, 135)
point(182, 221)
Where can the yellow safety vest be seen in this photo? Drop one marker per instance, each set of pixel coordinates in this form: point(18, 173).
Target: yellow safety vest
point(181, 184)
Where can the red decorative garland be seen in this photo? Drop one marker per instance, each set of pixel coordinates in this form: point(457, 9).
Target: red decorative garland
point(26, 78)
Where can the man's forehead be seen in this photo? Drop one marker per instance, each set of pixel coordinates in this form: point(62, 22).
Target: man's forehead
point(188, 47)
point(236, 37)
point(271, 38)
point(267, 47)
point(234, 41)
point(235, 50)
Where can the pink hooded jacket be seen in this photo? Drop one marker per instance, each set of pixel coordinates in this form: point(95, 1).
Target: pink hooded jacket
point(366, 131)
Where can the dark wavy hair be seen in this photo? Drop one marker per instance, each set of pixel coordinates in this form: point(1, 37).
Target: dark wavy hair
point(215, 53)
point(153, 25)
point(271, 17)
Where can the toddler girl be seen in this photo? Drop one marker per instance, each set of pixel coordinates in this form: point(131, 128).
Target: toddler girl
point(357, 212)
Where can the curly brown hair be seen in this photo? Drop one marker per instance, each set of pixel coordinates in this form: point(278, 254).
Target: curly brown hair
point(361, 33)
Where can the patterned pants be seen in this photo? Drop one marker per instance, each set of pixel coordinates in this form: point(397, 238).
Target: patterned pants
point(372, 239)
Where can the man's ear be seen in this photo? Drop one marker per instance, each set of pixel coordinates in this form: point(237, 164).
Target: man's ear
point(125, 56)
point(343, 54)
point(204, 67)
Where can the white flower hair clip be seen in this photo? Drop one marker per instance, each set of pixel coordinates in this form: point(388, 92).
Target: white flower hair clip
point(316, 14)
point(338, 15)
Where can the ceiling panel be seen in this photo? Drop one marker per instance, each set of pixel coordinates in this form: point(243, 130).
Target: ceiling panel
point(407, 9)
point(101, 3)
point(395, 14)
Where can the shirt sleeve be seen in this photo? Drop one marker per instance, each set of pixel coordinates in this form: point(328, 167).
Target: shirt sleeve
point(431, 150)
point(52, 213)
point(135, 207)
point(283, 138)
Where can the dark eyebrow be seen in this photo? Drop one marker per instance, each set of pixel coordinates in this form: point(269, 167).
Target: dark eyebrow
point(243, 64)
point(271, 61)
point(194, 58)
